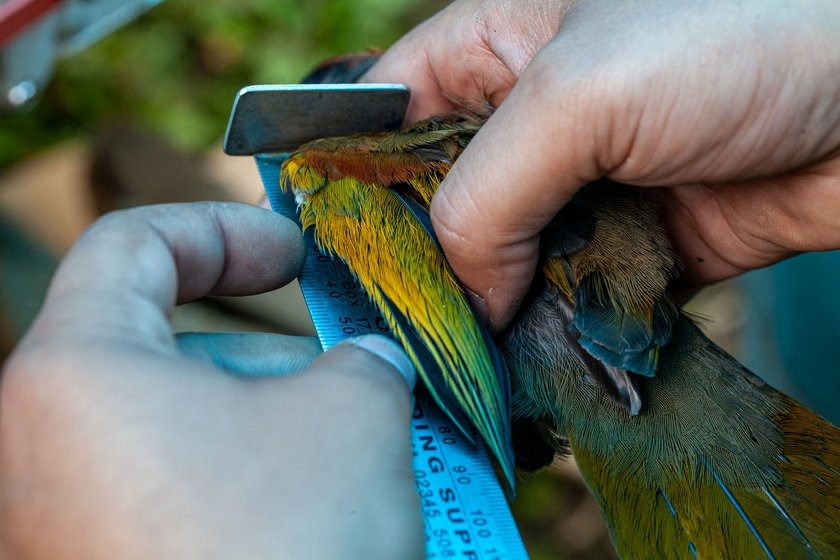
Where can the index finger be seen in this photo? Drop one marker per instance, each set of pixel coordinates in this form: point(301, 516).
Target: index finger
point(467, 57)
point(127, 272)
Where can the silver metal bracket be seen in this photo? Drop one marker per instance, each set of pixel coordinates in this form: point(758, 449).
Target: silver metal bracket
point(279, 118)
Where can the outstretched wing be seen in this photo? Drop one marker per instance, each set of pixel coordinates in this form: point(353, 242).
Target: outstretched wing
point(365, 197)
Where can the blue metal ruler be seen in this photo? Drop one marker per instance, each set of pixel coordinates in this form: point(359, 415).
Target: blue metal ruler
point(465, 512)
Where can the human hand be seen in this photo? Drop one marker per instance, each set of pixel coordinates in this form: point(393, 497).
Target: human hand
point(117, 441)
point(734, 105)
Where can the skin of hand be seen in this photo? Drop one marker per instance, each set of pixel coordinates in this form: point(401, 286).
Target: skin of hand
point(119, 440)
point(734, 105)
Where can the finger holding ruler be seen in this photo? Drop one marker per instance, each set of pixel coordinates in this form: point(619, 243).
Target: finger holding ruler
point(465, 513)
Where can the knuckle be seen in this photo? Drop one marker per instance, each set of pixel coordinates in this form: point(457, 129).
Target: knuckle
point(453, 212)
point(138, 221)
point(446, 221)
point(105, 223)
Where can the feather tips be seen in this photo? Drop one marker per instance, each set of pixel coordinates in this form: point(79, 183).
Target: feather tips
point(703, 513)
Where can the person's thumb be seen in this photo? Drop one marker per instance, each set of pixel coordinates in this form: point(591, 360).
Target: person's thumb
point(352, 414)
point(521, 168)
point(370, 371)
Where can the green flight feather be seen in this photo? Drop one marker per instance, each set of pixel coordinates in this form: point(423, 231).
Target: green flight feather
point(341, 186)
point(346, 199)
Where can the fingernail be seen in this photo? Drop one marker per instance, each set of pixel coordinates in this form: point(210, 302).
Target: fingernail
point(389, 351)
point(479, 306)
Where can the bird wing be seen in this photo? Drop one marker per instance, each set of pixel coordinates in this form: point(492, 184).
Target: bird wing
point(366, 198)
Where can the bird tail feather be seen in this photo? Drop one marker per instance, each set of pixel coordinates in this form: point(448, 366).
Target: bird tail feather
point(780, 499)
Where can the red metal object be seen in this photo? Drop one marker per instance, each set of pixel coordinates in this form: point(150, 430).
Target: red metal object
point(17, 15)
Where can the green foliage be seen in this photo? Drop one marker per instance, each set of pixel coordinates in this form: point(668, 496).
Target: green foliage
point(176, 69)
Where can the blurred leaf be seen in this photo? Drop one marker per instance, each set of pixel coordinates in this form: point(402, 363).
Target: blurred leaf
point(176, 69)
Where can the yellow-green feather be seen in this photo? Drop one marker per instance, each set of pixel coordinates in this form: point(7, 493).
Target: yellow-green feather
point(398, 264)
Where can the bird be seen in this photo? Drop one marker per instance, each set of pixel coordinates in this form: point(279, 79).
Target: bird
point(386, 239)
point(687, 453)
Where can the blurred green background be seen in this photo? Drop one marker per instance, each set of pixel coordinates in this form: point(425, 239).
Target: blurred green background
point(172, 74)
point(175, 70)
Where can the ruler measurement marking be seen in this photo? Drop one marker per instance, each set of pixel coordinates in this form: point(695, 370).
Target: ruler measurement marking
point(483, 523)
